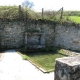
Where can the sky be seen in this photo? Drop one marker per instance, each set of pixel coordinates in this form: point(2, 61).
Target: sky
point(47, 4)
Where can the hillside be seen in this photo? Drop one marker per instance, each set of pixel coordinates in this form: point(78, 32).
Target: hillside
point(12, 12)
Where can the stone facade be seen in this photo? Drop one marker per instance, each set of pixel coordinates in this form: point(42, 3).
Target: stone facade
point(67, 68)
point(67, 36)
point(12, 34)
point(35, 40)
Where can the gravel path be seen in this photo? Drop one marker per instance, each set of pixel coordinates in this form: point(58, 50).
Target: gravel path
point(12, 67)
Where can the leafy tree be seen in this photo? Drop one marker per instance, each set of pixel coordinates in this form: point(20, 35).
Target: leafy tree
point(27, 4)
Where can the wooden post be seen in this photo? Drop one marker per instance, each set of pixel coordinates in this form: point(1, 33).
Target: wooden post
point(42, 13)
point(19, 11)
point(61, 13)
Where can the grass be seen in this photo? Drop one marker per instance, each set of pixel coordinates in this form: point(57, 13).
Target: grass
point(45, 60)
point(24, 57)
point(75, 19)
point(12, 12)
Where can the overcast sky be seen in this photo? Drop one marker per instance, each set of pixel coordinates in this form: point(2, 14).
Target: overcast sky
point(47, 4)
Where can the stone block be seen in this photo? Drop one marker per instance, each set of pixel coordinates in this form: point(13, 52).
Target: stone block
point(67, 68)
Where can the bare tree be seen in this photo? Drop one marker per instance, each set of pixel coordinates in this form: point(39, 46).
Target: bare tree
point(27, 4)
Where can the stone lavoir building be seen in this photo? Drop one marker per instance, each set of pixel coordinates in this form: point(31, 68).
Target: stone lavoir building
point(40, 33)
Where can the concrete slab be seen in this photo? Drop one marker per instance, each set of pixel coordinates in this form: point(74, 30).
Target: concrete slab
point(12, 67)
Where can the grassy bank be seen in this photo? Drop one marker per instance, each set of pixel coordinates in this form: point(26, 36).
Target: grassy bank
point(75, 19)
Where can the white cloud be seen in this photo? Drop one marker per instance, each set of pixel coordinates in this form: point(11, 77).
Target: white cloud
point(10, 2)
point(57, 4)
point(47, 4)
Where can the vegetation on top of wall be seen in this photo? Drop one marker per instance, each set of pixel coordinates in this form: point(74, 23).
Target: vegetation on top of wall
point(40, 21)
point(70, 23)
point(27, 20)
point(11, 14)
point(68, 16)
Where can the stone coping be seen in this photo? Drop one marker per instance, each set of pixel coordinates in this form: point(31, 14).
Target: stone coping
point(36, 33)
point(71, 61)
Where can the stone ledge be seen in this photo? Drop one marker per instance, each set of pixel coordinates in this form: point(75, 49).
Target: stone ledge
point(41, 69)
point(71, 61)
point(67, 68)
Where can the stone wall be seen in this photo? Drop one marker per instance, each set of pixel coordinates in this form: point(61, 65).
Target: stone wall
point(67, 36)
point(12, 34)
point(44, 27)
point(67, 68)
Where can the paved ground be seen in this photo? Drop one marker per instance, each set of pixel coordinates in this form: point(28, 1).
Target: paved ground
point(12, 67)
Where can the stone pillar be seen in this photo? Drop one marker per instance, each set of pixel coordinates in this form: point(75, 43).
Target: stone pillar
point(42, 41)
point(25, 38)
point(67, 68)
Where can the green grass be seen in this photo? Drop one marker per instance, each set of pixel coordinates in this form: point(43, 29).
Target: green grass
point(46, 60)
point(12, 12)
point(75, 19)
point(24, 57)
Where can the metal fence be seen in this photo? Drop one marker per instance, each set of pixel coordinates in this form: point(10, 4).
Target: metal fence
point(19, 12)
point(52, 14)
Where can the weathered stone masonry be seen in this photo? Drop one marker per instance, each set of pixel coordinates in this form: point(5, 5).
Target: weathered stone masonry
point(67, 68)
point(12, 34)
point(67, 35)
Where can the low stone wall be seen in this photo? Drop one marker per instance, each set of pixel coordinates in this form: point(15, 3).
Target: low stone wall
point(67, 68)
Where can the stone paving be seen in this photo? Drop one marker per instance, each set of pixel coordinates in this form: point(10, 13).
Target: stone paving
point(12, 67)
